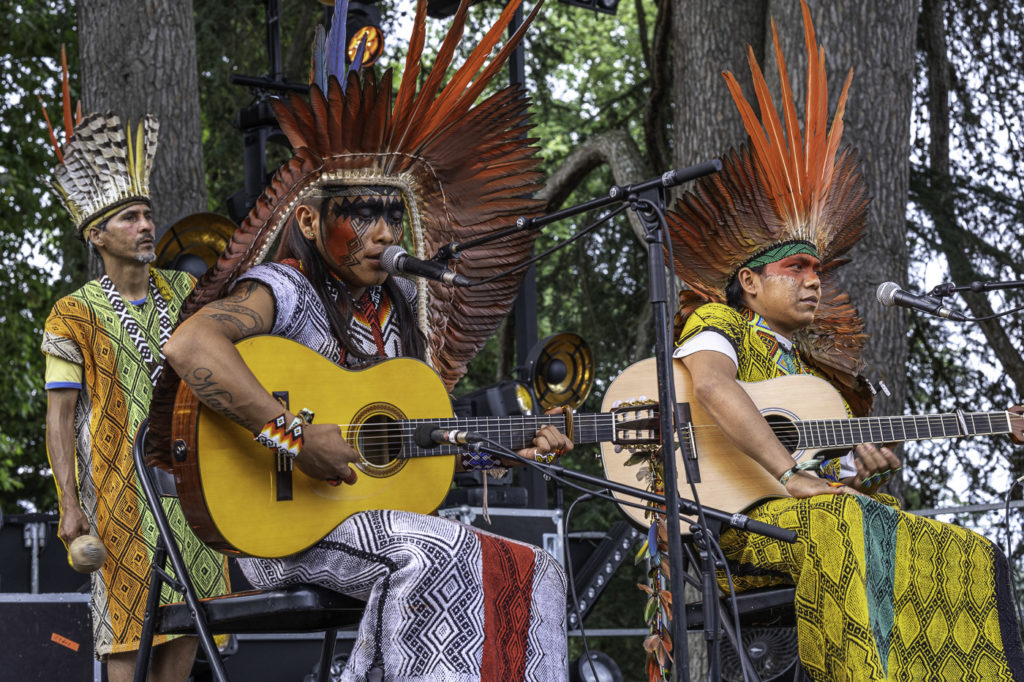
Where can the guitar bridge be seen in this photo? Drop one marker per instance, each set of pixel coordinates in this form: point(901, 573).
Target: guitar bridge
point(637, 424)
point(283, 475)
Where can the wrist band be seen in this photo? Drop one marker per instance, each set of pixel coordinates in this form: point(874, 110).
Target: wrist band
point(285, 441)
point(802, 466)
point(478, 461)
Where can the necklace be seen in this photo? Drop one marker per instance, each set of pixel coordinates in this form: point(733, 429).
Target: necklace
point(128, 323)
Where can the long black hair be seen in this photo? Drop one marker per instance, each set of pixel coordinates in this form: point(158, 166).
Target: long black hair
point(338, 301)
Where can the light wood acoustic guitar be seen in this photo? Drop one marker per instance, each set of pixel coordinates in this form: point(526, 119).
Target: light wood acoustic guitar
point(806, 413)
point(239, 499)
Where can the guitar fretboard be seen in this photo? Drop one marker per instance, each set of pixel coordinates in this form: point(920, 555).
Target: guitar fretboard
point(515, 433)
point(843, 433)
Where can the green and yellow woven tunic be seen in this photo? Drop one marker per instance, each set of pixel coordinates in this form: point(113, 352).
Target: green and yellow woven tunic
point(87, 348)
point(880, 594)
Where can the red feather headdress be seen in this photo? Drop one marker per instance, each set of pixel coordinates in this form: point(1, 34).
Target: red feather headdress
point(465, 170)
point(784, 185)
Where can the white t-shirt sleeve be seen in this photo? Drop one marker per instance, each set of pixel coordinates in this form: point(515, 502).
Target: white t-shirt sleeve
point(707, 340)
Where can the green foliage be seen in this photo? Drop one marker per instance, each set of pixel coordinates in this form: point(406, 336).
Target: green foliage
point(38, 260)
point(956, 365)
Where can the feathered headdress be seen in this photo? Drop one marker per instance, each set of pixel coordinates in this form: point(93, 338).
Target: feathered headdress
point(784, 189)
point(102, 169)
point(465, 170)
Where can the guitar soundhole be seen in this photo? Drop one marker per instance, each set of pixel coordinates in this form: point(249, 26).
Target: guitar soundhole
point(380, 440)
point(785, 431)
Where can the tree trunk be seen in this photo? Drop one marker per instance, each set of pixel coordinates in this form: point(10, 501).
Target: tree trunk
point(139, 58)
point(711, 37)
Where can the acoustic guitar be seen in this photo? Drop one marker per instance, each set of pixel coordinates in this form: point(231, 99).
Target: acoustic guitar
point(806, 413)
point(239, 499)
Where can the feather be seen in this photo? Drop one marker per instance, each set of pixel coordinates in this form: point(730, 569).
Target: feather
point(778, 187)
point(49, 129)
point(66, 93)
point(318, 59)
point(335, 46)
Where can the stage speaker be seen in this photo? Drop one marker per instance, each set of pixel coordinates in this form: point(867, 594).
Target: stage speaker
point(194, 243)
point(47, 637)
point(560, 371)
point(32, 557)
point(771, 650)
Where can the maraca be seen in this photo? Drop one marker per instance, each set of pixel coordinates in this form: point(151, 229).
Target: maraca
point(86, 553)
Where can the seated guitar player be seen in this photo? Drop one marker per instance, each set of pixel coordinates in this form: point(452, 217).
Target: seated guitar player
point(444, 600)
point(880, 594)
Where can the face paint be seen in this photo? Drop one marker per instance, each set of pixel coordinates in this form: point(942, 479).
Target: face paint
point(789, 293)
point(347, 221)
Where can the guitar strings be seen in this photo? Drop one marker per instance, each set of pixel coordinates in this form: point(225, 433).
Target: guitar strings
point(836, 432)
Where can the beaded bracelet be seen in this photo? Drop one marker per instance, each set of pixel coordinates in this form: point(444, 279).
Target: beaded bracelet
point(802, 466)
point(478, 461)
point(285, 441)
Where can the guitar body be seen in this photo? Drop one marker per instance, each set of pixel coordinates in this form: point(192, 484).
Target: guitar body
point(231, 491)
point(729, 480)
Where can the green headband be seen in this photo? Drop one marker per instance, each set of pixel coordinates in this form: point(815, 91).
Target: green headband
point(778, 252)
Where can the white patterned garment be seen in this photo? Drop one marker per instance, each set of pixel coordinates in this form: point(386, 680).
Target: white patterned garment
point(445, 601)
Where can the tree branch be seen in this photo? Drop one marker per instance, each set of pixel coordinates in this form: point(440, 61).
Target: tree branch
point(616, 149)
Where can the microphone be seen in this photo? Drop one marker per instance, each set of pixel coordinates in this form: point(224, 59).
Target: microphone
point(397, 261)
point(430, 435)
point(890, 293)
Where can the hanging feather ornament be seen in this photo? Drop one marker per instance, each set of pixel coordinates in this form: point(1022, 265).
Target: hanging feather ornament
point(465, 170)
point(785, 185)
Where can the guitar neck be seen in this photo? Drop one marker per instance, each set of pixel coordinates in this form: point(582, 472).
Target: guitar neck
point(847, 433)
point(514, 432)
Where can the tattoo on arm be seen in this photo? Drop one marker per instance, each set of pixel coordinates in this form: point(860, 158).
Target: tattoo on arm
point(235, 316)
point(212, 395)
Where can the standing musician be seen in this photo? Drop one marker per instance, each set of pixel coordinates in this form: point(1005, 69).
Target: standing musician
point(102, 345)
point(880, 594)
point(444, 601)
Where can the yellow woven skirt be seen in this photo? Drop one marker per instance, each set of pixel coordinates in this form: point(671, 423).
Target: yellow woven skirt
point(882, 594)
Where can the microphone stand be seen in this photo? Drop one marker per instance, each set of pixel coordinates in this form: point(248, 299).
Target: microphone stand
point(948, 288)
point(649, 205)
point(615, 195)
point(648, 200)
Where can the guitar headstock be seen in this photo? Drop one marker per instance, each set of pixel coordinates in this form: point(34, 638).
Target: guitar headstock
point(1017, 423)
point(637, 423)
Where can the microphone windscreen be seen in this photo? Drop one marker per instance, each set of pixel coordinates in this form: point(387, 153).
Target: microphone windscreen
point(389, 259)
point(886, 291)
point(423, 437)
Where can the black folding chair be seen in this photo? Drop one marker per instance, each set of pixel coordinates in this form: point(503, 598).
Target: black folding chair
point(770, 607)
point(296, 608)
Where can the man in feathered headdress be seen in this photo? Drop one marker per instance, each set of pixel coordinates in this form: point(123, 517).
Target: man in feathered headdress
point(103, 352)
point(443, 601)
point(881, 594)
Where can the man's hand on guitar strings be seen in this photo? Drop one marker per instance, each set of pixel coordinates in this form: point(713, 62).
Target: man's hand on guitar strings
point(549, 443)
point(326, 455)
point(875, 466)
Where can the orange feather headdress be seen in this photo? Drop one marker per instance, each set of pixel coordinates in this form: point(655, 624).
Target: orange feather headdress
point(465, 170)
point(784, 186)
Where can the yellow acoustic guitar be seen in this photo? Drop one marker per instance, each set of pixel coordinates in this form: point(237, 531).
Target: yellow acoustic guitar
point(806, 413)
point(240, 500)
